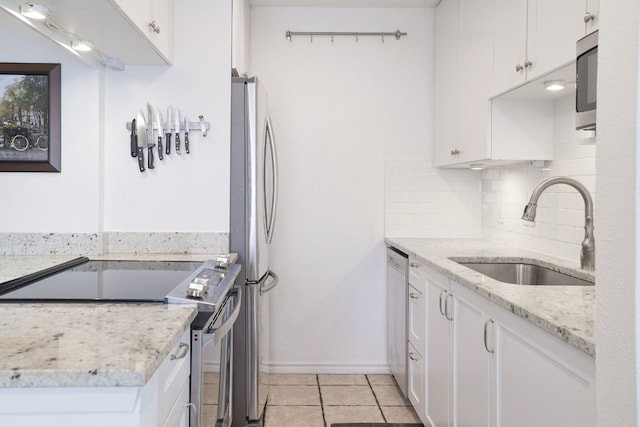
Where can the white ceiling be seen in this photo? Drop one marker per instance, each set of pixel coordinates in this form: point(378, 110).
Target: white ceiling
point(345, 3)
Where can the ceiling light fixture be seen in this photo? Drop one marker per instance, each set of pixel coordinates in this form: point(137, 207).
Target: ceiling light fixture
point(554, 85)
point(82, 45)
point(34, 11)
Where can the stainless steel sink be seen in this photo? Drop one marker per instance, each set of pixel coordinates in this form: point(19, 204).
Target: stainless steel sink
point(525, 274)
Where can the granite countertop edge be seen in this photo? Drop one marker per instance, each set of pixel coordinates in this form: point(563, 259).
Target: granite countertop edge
point(572, 323)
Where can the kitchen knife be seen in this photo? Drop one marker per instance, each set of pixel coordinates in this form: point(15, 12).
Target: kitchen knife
point(149, 135)
point(176, 122)
point(141, 132)
point(168, 134)
point(186, 134)
point(134, 139)
point(160, 133)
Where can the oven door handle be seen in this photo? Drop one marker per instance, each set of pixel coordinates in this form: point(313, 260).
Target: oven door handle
point(213, 338)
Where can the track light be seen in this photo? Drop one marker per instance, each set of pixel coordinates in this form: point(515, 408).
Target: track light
point(34, 11)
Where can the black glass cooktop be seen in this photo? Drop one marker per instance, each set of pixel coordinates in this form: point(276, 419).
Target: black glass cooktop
point(108, 281)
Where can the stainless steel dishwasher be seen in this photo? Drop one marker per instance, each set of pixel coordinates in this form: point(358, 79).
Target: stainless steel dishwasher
point(397, 276)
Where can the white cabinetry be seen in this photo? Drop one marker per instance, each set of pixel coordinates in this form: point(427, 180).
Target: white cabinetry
point(153, 18)
point(592, 16)
point(416, 334)
point(163, 401)
point(463, 67)
point(487, 367)
point(532, 38)
point(540, 380)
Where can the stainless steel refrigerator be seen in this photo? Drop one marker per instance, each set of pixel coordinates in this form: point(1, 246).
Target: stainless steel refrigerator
point(254, 180)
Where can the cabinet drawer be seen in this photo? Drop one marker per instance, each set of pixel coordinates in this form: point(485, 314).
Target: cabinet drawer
point(416, 368)
point(417, 319)
point(179, 414)
point(417, 274)
point(172, 374)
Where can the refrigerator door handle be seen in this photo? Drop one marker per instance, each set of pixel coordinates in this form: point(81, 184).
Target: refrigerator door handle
point(274, 282)
point(270, 217)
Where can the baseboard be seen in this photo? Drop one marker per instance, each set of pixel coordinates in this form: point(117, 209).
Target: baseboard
point(318, 368)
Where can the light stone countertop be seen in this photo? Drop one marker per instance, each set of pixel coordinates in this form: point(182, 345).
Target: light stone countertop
point(566, 312)
point(86, 344)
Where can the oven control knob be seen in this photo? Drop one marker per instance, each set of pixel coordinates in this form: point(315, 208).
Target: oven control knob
point(195, 290)
point(204, 281)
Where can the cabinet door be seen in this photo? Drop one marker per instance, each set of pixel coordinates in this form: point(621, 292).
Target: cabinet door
point(161, 13)
point(417, 323)
point(438, 384)
point(535, 388)
point(471, 361)
point(553, 29)
point(509, 42)
point(416, 379)
point(593, 9)
point(447, 88)
point(475, 62)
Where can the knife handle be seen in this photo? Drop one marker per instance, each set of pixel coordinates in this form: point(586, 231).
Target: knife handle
point(150, 158)
point(177, 143)
point(141, 158)
point(186, 142)
point(134, 139)
point(160, 147)
point(168, 147)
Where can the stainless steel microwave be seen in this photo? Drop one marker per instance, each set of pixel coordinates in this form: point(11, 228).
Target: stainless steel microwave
point(586, 81)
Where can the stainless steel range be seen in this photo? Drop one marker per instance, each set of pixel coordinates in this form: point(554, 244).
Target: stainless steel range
point(210, 285)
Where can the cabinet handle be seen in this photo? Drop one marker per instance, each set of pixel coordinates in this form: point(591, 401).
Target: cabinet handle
point(413, 356)
point(486, 347)
point(455, 152)
point(414, 265)
point(154, 27)
point(446, 307)
point(440, 302)
point(414, 295)
point(182, 351)
point(527, 63)
point(588, 17)
point(519, 67)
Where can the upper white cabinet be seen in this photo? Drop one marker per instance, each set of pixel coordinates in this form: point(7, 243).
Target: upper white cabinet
point(153, 20)
point(534, 37)
point(592, 15)
point(131, 32)
point(463, 72)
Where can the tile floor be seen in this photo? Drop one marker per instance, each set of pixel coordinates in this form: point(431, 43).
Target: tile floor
point(309, 400)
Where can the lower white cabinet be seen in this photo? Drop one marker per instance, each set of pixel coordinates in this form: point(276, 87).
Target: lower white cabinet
point(162, 401)
point(416, 333)
point(540, 381)
point(485, 366)
point(416, 368)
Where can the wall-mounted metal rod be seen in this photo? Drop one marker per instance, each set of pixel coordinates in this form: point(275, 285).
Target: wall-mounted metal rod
point(397, 34)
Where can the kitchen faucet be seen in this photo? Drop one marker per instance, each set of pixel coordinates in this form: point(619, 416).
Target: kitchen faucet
point(588, 252)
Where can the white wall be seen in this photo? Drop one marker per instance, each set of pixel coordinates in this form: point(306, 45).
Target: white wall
point(56, 202)
point(617, 263)
point(340, 110)
point(183, 193)
point(559, 226)
point(100, 187)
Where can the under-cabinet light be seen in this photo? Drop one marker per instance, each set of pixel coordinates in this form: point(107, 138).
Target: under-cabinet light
point(554, 85)
point(34, 11)
point(82, 45)
point(476, 167)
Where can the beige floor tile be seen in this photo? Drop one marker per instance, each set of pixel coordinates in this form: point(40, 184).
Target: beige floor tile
point(210, 394)
point(293, 379)
point(209, 414)
point(400, 414)
point(294, 395)
point(389, 395)
point(333, 379)
point(352, 414)
point(349, 395)
point(294, 416)
point(211, 377)
point(381, 379)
